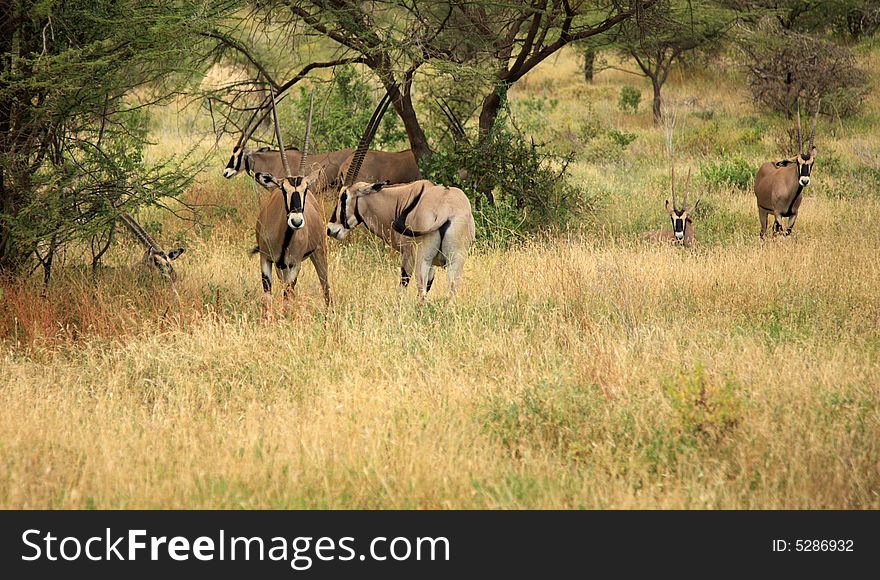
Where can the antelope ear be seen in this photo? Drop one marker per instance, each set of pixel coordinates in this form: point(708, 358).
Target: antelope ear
point(667, 205)
point(813, 152)
point(266, 180)
point(175, 253)
point(693, 209)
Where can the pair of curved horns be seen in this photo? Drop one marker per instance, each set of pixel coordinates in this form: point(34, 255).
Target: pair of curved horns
point(455, 125)
point(366, 139)
point(282, 152)
point(813, 132)
point(687, 189)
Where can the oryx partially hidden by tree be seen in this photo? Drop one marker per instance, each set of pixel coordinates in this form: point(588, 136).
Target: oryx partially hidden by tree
point(268, 162)
point(431, 225)
point(682, 231)
point(779, 186)
point(393, 167)
point(291, 226)
point(154, 256)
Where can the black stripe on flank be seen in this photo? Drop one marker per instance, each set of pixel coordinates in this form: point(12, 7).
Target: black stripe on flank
point(399, 224)
point(794, 199)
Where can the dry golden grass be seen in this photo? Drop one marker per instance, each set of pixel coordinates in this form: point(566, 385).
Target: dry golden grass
point(587, 371)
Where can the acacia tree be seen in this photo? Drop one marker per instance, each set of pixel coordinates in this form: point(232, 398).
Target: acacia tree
point(668, 32)
point(72, 132)
point(394, 38)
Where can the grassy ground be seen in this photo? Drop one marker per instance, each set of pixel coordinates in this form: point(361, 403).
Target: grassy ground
point(587, 371)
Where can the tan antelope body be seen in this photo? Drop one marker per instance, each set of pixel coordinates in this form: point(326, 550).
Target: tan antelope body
point(268, 162)
point(306, 242)
point(682, 231)
point(431, 225)
point(779, 186)
point(290, 227)
point(399, 167)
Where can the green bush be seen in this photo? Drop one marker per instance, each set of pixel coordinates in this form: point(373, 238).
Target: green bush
point(342, 110)
point(515, 185)
point(735, 172)
point(629, 100)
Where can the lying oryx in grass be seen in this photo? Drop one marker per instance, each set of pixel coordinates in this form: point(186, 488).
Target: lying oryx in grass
point(779, 186)
point(268, 162)
point(291, 226)
point(154, 256)
point(682, 231)
point(431, 225)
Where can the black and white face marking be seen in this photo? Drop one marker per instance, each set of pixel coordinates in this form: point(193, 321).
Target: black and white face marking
point(234, 165)
point(805, 166)
point(679, 217)
point(294, 191)
point(162, 261)
point(344, 218)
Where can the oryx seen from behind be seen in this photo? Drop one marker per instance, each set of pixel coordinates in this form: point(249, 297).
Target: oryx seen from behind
point(431, 225)
point(682, 231)
point(779, 186)
point(266, 161)
point(291, 226)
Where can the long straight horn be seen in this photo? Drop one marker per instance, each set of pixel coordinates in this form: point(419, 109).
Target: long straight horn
point(253, 122)
point(305, 151)
point(800, 139)
point(281, 151)
point(687, 189)
point(366, 139)
point(140, 233)
point(674, 205)
point(816, 118)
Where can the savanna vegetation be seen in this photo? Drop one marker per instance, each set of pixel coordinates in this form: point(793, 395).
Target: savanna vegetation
point(578, 367)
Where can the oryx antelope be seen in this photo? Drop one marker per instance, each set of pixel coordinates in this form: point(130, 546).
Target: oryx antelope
point(291, 226)
point(431, 225)
point(268, 162)
point(154, 256)
point(397, 167)
point(779, 186)
point(682, 231)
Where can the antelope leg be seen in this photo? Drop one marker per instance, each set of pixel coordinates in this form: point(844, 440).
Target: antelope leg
point(319, 261)
point(762, 215)
point(289, 276)
point(791, 221)
point(266, 276)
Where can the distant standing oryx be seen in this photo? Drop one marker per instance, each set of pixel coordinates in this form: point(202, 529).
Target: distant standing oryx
point(779, 186)
point(682, 231)
point(291, 226)
point(268, 162)
point(431, 225)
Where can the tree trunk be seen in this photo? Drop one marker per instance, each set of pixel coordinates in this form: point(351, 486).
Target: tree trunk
point(490, 109)
point(417, 140)
point(658, 112)
point(589, 64)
